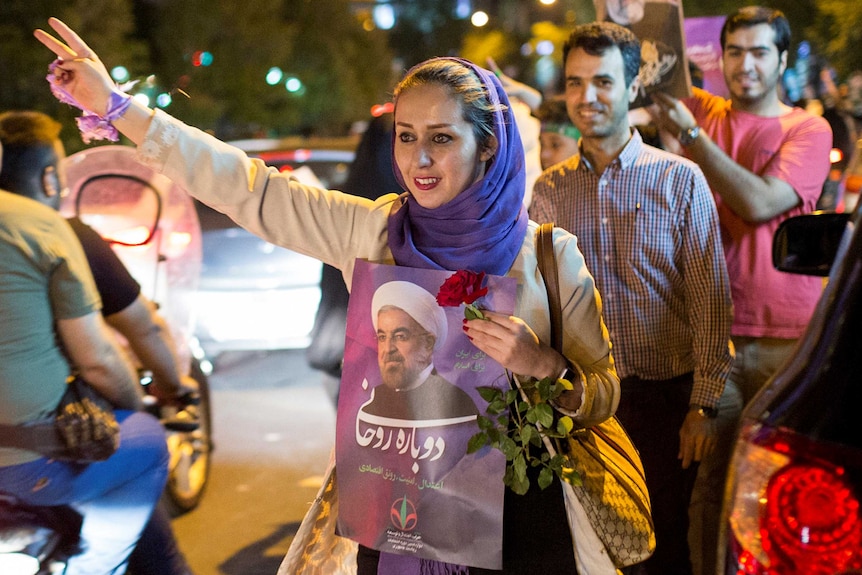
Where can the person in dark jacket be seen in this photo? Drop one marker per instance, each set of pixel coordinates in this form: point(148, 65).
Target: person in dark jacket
point(370, 176)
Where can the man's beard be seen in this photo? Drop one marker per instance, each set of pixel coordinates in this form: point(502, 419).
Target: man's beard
point(394, 373)
point(768, 83)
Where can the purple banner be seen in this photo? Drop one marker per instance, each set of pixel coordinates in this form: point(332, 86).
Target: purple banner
point(407, 407)
point(703, 47)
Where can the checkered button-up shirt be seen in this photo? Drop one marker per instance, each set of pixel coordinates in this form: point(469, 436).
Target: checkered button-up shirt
point(649, 231)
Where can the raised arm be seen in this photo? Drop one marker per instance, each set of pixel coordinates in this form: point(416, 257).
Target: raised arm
point(515, 89)
point(752, 197)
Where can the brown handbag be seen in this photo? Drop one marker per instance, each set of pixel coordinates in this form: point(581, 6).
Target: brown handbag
point(84, 428)
point(613, 492)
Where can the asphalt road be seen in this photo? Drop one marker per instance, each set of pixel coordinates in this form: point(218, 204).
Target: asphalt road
point(274, 429)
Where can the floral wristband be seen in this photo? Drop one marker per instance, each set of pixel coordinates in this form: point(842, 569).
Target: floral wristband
point(96, 127)
point(92, 125)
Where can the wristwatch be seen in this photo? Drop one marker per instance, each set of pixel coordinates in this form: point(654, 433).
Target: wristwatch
point(705, 411)
point(687, 137)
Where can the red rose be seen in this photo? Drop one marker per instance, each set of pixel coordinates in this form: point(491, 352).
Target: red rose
point(461, 287)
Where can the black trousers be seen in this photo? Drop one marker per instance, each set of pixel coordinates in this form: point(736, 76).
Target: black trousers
point(652, 412)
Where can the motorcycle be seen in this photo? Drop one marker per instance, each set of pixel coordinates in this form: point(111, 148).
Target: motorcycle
point(152, 225)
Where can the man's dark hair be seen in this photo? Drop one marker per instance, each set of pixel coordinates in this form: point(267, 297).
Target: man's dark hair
point(553, 111)
point(596, 38)
point(28, 139)
point(749, 16)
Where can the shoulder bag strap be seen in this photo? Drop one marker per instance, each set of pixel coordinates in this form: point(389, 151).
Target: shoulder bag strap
point(548, 268)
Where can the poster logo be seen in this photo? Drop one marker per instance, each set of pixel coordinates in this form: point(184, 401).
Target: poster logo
point(403, 514)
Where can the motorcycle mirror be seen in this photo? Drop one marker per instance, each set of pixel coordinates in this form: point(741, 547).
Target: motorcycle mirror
point(807, 244)
point(122, 208)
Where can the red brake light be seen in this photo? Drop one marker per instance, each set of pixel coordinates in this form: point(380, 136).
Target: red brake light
point(794, 511)
point(811, 520)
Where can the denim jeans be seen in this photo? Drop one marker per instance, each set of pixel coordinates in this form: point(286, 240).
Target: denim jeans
point(157, 552)
point(116, 497)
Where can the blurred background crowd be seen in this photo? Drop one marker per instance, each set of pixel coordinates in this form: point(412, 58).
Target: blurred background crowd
point(236, 68)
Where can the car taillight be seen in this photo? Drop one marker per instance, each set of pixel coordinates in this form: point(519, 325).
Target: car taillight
point(794, 512)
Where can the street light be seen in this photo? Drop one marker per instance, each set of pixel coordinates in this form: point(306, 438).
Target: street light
point(384, 16)
point(479, 18)
point(120, 74)
point(294, 85)
point(274, 76)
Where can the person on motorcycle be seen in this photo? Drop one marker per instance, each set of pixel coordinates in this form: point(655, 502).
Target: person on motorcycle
point(52, 326)
point(31, 167)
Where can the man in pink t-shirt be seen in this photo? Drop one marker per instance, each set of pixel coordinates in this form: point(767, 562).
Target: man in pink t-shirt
point(765, 162)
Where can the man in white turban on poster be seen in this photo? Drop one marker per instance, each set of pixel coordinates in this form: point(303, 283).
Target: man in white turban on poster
point(410, 327)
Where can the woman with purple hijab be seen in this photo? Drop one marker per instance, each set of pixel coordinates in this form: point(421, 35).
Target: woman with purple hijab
point(457, 152)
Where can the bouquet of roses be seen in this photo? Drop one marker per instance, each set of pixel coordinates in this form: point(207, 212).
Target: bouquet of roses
point(517, 419)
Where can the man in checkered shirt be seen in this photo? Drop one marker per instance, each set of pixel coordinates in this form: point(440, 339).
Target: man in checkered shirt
point(647, 225)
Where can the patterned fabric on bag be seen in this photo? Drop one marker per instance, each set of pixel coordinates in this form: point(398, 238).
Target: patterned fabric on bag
point(614, 493)
point(316, 549)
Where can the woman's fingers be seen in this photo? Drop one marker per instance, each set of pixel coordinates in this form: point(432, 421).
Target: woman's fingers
point(61, 50)
point(74, 41)
point(74, 47)
point(505, 338)
point(487, 334)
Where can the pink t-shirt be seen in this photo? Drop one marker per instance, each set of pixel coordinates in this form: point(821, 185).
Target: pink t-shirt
point(793, 148)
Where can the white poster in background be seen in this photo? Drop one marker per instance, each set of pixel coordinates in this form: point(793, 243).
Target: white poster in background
point(658, 25)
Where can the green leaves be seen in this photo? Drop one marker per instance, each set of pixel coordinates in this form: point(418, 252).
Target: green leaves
point(542, 414)
point(473, 312)
point(516, 427)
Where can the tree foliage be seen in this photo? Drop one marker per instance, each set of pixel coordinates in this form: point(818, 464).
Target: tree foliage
point(344, 69)
point(231, 92)
point(837, 34)
point(427, 28)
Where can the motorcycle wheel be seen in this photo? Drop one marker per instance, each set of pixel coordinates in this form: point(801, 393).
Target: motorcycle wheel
point(190, 454)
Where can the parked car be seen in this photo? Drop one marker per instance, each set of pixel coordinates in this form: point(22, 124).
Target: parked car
point(253, 295)
point(792, 504)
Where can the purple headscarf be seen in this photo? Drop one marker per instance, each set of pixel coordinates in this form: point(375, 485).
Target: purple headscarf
point(482, 229)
